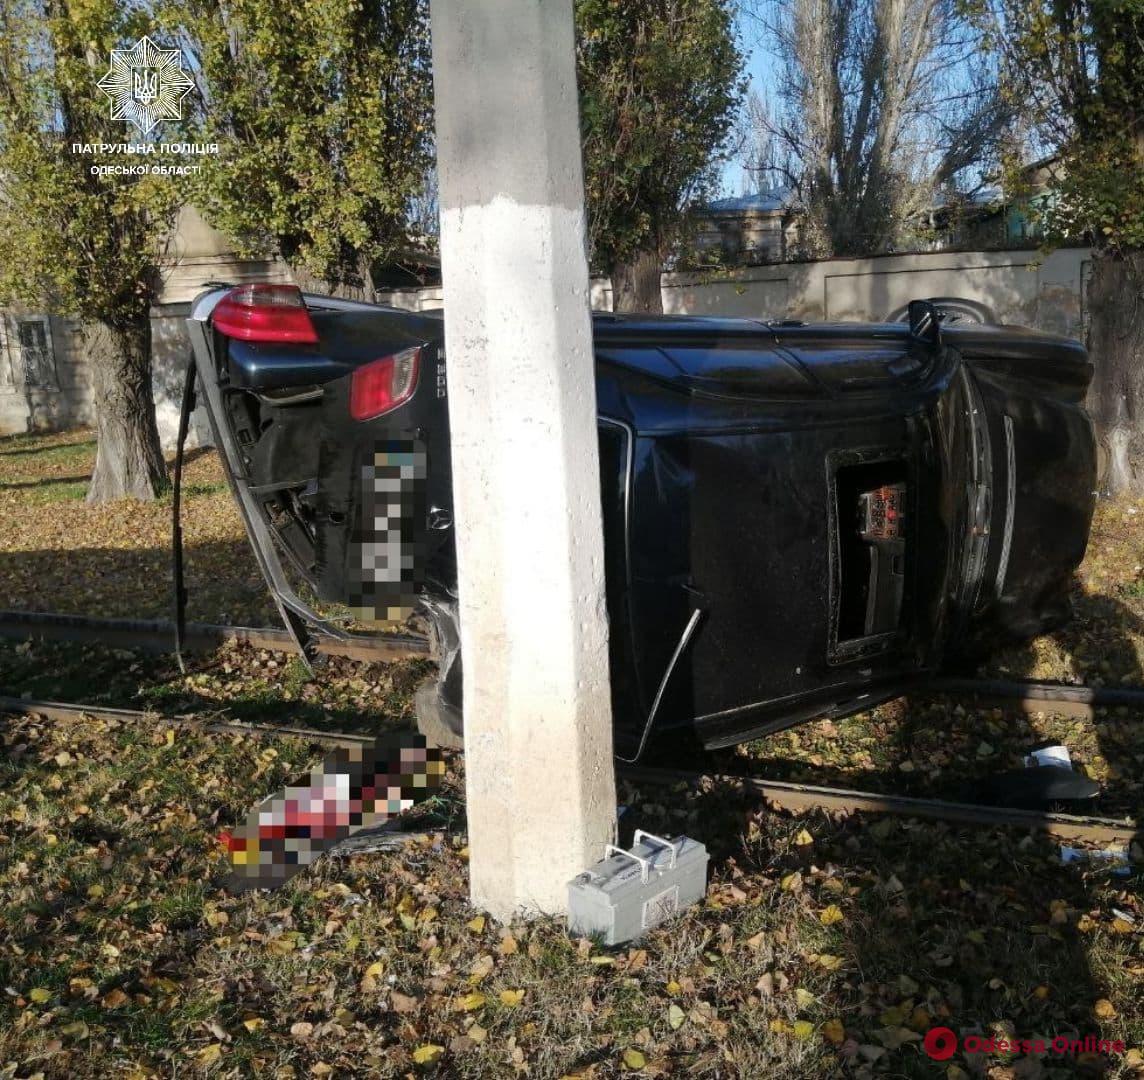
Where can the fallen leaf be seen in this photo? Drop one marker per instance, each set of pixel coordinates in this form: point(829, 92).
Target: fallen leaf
point(473, 1000)
point(830, 915)
point(40, 995)
point(803, 1029)
point(675, 1017)
point(633, 1059)
point(208, 1055)
point(427, 1052)
point(834, 1031)
point(477, 925)
point(1104, 1010)
point(511, 998)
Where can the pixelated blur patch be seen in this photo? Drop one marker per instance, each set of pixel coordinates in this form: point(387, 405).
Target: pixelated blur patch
point(353, 788)
point(387, 548)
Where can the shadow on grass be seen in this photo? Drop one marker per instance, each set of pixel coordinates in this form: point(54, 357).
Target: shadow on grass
point(223, 582)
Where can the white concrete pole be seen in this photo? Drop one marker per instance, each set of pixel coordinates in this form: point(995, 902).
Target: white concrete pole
point(540, 782)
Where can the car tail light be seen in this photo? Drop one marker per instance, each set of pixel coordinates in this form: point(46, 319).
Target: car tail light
point(381, 385)
point(265, 313)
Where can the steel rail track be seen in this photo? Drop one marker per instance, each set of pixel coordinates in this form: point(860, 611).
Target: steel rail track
point(788, 796)
point(158, 635)
point(65, 710)
point(1031, 697)
point(803, 797)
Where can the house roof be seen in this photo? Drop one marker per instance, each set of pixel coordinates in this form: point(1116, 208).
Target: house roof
point(760, 202)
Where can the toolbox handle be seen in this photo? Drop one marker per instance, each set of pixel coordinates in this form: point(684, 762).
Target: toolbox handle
point(641, 835)
point(645, 864)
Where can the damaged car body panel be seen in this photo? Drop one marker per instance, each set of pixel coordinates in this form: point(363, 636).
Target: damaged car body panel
point(799, 520)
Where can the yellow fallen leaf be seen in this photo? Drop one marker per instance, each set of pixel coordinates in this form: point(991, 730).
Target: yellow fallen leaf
point(477, 1033)
point(833, 1031)
point(473, 1000)
point(633, 1059)
point(803, 998)
point(803, 1029)
point(507, 945)
point(675, 1017)
point(40, 995)
point(803, 838)
point(208, 1055)
point(778, 1025)
point(477, 925)
point(673, 987)
point(427, 1052)
point(511, 998)
point(95, 891)
point(254, 1023)
point(114, 998)
point(375, 970)
point(1041, 992)
point(1104, 1010)
point(791, 883)
point(830, 915)
point(831, 963)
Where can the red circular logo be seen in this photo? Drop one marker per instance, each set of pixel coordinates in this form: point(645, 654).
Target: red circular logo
point(940, 1043)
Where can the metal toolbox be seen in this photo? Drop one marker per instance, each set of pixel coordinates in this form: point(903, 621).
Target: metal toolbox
point(629, 892)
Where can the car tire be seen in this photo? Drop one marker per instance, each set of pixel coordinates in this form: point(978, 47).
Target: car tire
point(440, 723)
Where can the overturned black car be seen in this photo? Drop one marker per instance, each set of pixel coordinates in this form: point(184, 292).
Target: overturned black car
point(799, 519)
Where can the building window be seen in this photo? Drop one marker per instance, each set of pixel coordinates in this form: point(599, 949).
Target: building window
point(37, 360)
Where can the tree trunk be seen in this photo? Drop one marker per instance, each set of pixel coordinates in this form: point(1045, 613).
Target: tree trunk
point(1116, 347)
point(635, 284)
point(128, 459)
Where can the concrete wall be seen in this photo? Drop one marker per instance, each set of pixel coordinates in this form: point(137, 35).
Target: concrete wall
point(196, 254)
point(1023, 287)
point(24, 408)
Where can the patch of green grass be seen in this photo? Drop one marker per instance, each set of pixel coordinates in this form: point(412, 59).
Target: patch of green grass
point(55, 492)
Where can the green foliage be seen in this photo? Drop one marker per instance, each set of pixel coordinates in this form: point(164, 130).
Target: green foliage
point(660, 86)
point(86, 244)
point(323, 113)
point(1075, 71)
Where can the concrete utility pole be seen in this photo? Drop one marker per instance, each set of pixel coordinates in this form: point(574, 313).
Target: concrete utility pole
point(541, 795)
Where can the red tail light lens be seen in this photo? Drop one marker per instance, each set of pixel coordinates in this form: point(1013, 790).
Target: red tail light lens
point(382, 385)
point(265, 313)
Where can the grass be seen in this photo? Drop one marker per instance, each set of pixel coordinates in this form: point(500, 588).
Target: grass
point(59, 554)
point(827, 945)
